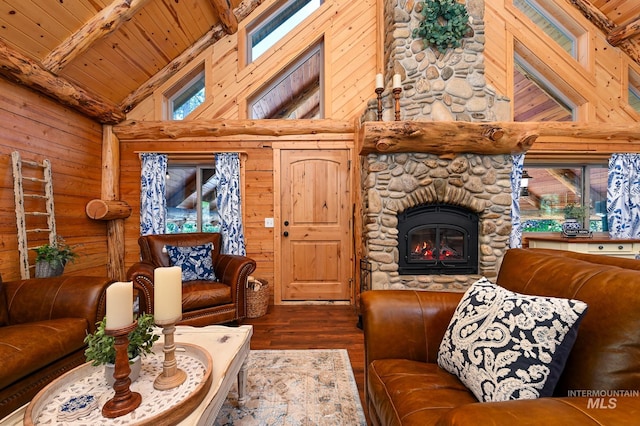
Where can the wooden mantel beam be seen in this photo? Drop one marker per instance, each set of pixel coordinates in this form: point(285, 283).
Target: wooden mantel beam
point(446, 138)
point(156, 130)
point(100, 26)
point(227, 18)
point(17, 67)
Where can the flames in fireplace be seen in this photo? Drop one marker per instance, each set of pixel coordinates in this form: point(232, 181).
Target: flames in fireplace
point(438, 239)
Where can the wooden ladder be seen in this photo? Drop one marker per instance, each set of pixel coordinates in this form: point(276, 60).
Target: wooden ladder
point(42, 180)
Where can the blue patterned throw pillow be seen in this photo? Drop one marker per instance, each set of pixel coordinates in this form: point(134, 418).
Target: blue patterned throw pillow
point(504, 345)
point(196, 261)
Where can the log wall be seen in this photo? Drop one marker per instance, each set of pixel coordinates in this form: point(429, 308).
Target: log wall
point(39, 128)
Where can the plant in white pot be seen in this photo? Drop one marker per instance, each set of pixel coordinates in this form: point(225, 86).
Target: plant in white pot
point(52, 258)
point(101, 349)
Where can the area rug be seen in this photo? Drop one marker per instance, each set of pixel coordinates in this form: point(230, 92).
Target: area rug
point(296, 387)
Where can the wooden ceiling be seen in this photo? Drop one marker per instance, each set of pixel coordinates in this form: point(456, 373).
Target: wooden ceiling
point(102, 57)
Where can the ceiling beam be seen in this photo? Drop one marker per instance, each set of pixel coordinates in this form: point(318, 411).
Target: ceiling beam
point(601, 21)
point(24, 70)
point(147, 88)
point(624, 32)
point(245, 8)
point(97, 28)
point(227, 18)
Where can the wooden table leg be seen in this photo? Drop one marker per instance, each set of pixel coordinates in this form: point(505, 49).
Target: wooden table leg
point(242, 384)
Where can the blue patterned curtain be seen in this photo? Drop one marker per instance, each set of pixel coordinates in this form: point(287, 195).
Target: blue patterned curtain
point(229, 205)
point(623, 196)
point(153, 203)
point(515, 239)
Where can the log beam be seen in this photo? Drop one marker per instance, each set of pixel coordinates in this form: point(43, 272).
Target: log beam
point(97, 28)
point(447, 138)
point(622, 33)
point(227, 18)
point(111, 191)
point(108, 209)
point(601, 21)
point(17, 67)
point(245, 8)
point(155, 130)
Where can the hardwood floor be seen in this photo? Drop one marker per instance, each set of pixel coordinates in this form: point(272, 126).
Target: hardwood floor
point(312, 327)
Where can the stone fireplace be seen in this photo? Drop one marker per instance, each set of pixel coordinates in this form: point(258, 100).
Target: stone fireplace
point(437, 86)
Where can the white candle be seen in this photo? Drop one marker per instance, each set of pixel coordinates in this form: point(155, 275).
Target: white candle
point(119, 305)
point(397, 83)
point(379, 81)
point(167, 294)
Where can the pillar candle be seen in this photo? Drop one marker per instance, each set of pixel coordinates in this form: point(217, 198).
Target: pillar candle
point(397, 82)
point(379, 81)
point(167, 293)
point(119, 305)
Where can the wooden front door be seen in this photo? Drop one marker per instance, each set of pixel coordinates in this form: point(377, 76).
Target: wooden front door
point(315, 225)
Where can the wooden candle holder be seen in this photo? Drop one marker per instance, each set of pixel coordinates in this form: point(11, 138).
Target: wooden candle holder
point(124, 401)
point(396, 97)
point(379, 91)
point(171, 376)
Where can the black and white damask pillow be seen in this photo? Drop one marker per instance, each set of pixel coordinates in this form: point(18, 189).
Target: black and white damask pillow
point(504, 345)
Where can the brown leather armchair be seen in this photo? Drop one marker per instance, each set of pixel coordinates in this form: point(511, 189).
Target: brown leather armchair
point(203, 302)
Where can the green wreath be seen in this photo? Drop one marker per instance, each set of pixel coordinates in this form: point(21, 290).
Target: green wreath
point(444, 24)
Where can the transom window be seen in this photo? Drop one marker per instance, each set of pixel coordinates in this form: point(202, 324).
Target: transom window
point(296, 93)
point(278, 21)
point(554, 22)
point(187, 95)
point(634, 90)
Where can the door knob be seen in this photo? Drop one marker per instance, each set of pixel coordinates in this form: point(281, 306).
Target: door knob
point(285, 233)
point(286, 223)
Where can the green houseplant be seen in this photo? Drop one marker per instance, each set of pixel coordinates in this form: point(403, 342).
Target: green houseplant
point(101, 350)
point(52, 258)
point(100, 346)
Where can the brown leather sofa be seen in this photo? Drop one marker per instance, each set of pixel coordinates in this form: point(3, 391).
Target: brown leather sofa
point(403, 330)
point(43, 323)
point(203, 302)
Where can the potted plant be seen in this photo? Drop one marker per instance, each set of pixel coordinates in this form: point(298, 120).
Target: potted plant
point(574, 215)
point(52, 258)
point(101, 350)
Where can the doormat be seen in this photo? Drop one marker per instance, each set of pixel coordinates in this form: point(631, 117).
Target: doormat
point(296, 387)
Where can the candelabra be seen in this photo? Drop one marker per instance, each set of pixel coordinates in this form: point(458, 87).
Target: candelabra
point(396, 97)
point(379, 91)
point(171, 375)
point(124, 401)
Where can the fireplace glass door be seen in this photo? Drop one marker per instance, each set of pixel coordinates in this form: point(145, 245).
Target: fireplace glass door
point(438, 239)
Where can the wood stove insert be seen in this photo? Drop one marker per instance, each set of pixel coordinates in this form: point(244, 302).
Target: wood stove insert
point(437, 239)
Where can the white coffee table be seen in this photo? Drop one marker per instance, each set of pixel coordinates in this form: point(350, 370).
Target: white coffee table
point(229, 348)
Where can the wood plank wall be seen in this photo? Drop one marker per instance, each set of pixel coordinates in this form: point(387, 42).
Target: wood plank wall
point(258, 194)
point(39, 129)
point(349, 31)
